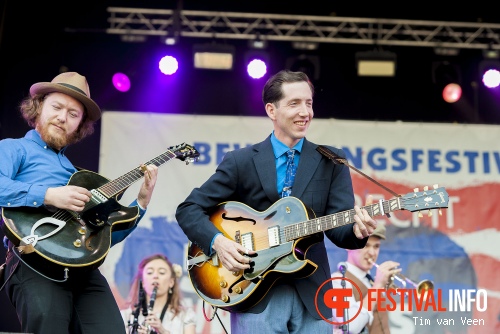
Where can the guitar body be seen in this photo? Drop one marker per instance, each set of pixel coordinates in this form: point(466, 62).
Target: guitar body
point(82, 243)
point(284, 259)
point(281, 236)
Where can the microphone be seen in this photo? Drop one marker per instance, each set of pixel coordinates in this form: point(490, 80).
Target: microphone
point(342, 269)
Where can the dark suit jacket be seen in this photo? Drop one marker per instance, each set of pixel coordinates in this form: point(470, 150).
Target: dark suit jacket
point(248, 175)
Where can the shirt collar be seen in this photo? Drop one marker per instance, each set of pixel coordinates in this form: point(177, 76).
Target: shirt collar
point(361, 274)
point(279, 148)
point(34, 136)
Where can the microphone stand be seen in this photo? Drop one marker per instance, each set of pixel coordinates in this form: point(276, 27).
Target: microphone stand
point(140, 302)
point(345, 326)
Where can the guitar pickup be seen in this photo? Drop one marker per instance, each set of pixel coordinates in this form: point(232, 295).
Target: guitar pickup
point(247, 241)
point(273, 234)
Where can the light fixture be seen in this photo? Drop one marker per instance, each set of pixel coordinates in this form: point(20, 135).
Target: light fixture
point(447, 77)
point(213, 56)
point(489, 68)
point(257, 43)
point(257, 62)
point(305, 45)
point(309, 64)
point(133, 38)
point(376, 63)
point(169, 40)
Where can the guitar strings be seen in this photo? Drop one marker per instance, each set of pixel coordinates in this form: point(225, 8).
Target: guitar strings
point(296, 230)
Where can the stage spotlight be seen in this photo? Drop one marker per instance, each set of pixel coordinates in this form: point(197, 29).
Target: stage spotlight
point(491, 78)
point(452, 92)
point(121, 82)
point(447, 78)
point(489, 72)
point(257, 43)
point(168, 65)
point(256, 68)
point(257, 62)
point(213, 56)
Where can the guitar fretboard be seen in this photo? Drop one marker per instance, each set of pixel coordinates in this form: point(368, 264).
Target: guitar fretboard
point(116, 186)
point(308, 227)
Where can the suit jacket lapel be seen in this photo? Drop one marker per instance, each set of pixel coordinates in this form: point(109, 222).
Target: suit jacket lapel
point(309, 160)
point(264, 158)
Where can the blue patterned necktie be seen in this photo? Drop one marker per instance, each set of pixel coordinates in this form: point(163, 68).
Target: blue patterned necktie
point(291, 169)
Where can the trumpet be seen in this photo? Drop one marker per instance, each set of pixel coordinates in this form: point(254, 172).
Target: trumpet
point(422, 286)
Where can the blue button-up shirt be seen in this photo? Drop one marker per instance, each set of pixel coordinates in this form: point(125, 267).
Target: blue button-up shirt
point(28, 167)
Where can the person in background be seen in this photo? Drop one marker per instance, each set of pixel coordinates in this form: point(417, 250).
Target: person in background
point(159, 279)
point(256, 176)
point(357, 268)
point(34, 173)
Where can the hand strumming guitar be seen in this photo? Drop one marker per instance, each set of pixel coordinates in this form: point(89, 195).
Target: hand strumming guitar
point(231, 254)
point(67, 197)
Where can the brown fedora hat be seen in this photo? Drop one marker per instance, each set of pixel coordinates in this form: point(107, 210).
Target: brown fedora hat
point(379, 231)
point(74, 85)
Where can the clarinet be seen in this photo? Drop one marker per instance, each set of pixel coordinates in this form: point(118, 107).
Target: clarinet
point(151, 306)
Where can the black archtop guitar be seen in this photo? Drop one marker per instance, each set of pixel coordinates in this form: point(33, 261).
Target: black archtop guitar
point(57, 241)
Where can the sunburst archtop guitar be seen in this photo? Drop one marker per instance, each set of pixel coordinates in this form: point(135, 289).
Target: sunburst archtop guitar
point(281, 236)
point(53, 242)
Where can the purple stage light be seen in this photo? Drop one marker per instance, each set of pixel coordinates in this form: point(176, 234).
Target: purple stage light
point(256, 68)
point(491, 78)
point(168, 65)
point(121, 82)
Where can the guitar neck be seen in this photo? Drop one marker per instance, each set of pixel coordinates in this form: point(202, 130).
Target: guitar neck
point(118, 185)
point(320, 224)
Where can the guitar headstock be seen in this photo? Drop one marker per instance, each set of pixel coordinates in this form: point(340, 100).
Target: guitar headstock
point(185, 152)
point(436, 198)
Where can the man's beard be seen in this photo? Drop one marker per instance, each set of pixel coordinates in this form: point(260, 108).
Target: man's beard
point(56, 141)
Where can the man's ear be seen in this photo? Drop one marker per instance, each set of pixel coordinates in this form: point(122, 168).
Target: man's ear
point(270, 110)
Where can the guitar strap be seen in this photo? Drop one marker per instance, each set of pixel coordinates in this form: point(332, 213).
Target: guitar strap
point(339, 160)
point(18, 252)
point(2, 273)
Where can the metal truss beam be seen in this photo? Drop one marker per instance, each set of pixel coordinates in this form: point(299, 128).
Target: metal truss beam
point(299, 28)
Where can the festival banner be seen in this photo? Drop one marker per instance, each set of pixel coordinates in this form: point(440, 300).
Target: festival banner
point(453, 247)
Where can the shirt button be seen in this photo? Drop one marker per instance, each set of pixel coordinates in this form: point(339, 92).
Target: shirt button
point(8, 204)
point(35, 203)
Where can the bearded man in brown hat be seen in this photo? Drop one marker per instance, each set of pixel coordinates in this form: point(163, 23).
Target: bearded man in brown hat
point(34, 175)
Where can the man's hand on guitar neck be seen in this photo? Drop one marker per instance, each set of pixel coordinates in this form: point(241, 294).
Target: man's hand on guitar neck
point(147, 187)
point(364, 224)
point(67, 197)
point(230, 253)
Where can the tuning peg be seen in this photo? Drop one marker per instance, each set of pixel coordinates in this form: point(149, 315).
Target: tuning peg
point(420, 215)
point(429, 214)
point(415, 190)
point(435, 186)
point(440, 212)
point(426, 188)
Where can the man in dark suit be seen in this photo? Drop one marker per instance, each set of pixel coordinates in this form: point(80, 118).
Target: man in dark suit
point(257, 177)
